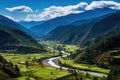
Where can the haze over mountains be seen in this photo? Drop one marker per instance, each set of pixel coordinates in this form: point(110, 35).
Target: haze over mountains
point(52, 24)
point(29, 24)
point(77, 12)
point(71, 28)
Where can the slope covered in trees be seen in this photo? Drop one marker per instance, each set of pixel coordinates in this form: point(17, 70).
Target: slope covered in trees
point(50, 25)
point(13, 40)
point(8, 70)
point(87, 33)
point(110, 43)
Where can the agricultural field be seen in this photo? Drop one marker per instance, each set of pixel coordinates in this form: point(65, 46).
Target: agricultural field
point(66, 47)
point(71, 48)
point(35, 70)
point(80, 76)
point(71, 63)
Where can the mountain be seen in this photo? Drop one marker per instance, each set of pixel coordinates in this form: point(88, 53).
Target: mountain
point(26, 24)
point(67, 34)
point(14, 39)
point(49, 25)
point(5, 22)
point(10, 24)
point(104, 53)
point(77, 29)
point(87, 33)
point(29, 24)
point(102, 27)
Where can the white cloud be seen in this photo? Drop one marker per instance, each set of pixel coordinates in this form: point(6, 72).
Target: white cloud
point(103, 4)
point(57, 11)
point(20, 9)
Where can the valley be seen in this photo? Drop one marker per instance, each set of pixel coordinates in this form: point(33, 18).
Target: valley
point(35, 70)
point(60, 40)
point(38, 68)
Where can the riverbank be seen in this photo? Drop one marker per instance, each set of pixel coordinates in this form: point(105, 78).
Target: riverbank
point(52, 62)
point(85, 67)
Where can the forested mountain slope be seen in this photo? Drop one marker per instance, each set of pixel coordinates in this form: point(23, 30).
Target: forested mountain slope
point(87, 33)
point(14, 39)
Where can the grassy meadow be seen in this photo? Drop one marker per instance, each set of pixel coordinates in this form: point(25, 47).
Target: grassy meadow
point(71, 63)
point(35, 70)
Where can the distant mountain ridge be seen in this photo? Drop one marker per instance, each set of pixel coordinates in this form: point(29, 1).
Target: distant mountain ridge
point(29, 24)
point(85, 34)
point(49, 25)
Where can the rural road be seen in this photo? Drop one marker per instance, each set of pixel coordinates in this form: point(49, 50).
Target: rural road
point(53, 62)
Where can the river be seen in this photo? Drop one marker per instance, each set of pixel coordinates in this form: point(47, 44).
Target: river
point(52, 62)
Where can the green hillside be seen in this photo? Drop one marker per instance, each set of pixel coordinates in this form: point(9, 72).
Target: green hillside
point(14, 40)
point(88, 33)
point(8, 70)
point(95, 52)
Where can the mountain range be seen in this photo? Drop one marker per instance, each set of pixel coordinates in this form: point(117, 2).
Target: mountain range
point(29, 24)
point(87, 33)
point(50, 25)
point(96, 32)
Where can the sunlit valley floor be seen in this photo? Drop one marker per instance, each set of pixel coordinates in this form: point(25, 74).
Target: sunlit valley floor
point(79, 45)
point(32, 68)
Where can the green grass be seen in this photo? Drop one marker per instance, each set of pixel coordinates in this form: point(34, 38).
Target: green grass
point(84, 66)
point(116, 56)
point(79, 76)
point(49, 72)
point(16, 58)
point(35, 69)
point(43, 72)
point(71, 48)
point(50, 43)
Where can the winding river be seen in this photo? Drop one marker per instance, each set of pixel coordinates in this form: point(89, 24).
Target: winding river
point(53, 62)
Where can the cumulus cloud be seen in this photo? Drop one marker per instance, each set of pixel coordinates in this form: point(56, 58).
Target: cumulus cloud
point(20, 9)
point(58, 11)
point(103, 4)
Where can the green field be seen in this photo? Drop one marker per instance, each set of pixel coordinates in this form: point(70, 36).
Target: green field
point(83, 66)
point(35, 71)
point(50, 43)
point(79, 76)
point(16, 58)
point(71, 48)
point(42, 73)
point(67, 47)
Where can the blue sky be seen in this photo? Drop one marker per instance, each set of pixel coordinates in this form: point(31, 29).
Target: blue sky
point(37, 6)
